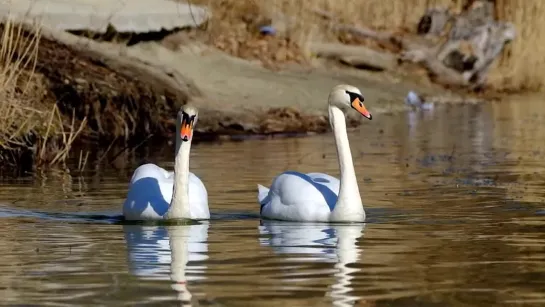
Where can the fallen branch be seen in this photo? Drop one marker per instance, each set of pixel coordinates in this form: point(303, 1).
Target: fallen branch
point(364, 32)
point(437, 71)
point(356, 55)
point(423, 51)
point(414, 51)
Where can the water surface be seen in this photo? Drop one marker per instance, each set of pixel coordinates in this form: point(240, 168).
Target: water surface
point(454, 199)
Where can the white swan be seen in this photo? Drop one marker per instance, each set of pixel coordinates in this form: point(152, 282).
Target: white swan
point(319, 197)
point(156, 194)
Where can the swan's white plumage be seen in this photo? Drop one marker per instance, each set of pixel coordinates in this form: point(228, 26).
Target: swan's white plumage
point(318, 197)
point(150, 193)
point(292, 197)
point(156, 194)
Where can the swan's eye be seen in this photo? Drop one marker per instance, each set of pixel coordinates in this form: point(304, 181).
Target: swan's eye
point(354, 97)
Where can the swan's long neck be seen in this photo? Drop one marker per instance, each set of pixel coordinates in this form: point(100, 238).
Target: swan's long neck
point(179, 205)
point(349, 206)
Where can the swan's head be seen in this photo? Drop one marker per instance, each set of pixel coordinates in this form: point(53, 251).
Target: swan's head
point(187, 118)
point(347, 96)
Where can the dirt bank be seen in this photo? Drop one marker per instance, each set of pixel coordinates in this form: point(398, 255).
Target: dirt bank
point(115, 92)
point(235, 96)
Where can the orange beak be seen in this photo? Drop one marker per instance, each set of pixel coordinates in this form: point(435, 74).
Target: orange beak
point(186, 130)
point(358, 105)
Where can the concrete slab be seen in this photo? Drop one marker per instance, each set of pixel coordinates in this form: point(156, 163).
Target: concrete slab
point(124, 15)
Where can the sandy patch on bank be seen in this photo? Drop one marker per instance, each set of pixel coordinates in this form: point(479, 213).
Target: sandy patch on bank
point(239, 91)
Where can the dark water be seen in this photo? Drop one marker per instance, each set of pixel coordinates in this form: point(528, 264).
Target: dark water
point(454, 199)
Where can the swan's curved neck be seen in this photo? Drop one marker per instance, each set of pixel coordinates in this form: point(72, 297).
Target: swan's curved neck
point(349, 206)
point(179, 205)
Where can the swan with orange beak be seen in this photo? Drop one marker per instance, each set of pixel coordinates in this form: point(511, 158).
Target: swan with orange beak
point(156, 194)
point(319, 197)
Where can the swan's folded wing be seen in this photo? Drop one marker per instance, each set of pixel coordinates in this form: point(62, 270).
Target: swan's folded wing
point(150, 170)
point(198, 197)
point(294, 188)
point(329, 181)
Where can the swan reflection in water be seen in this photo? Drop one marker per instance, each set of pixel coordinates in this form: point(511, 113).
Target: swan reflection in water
point(163, 252)
point(330, 243)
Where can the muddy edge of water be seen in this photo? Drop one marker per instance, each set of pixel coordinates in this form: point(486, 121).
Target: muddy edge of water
point(254, 101)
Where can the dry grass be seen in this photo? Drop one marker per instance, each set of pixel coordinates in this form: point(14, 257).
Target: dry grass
point(29, 122)
point(234, 23)
point(522, 66)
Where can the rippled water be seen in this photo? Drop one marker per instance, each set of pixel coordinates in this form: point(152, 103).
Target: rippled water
point(454, 199)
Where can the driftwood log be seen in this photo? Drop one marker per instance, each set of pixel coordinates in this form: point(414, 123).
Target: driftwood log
point(357, 56)
point(434, 21)
point(473, 42)
point(456, 49)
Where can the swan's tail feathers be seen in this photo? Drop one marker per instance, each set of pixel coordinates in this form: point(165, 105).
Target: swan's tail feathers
point(262, 193)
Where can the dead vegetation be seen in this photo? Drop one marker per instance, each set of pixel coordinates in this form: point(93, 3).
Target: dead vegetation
point(55, 92)
point(234, 28)
point(235, 25)
point(80, 89)
point(522, 65)
point(114, 104)
point(31, 127)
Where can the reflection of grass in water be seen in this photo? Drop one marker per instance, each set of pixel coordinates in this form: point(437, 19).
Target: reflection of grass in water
point(29, 122)
point(520, 68)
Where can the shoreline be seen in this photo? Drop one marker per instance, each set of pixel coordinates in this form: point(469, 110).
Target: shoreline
point(236, 98)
